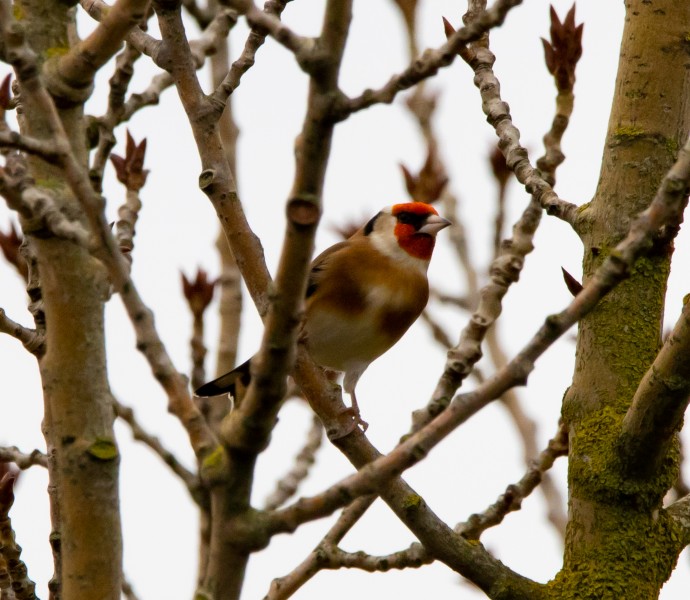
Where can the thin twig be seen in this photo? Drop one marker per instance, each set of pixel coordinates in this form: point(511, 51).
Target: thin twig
point(432, 60)
point(119, 83)
point(284, 587)
point(255, 40)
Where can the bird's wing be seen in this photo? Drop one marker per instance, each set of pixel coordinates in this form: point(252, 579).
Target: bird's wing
point(319, 264)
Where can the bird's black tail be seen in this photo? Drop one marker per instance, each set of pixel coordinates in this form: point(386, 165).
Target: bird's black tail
point(226, 384)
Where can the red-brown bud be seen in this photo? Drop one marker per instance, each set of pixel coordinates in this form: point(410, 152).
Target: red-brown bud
point(130, 169)
point(564, 50)
point(199, 292)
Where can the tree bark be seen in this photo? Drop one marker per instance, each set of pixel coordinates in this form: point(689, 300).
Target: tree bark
point(78, 421)
point(617, 539)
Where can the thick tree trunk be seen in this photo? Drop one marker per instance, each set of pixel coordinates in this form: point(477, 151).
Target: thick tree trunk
point(78, 421)
point(619, 544)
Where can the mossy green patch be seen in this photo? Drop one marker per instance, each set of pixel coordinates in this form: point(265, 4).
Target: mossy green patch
point(103, 449)
point(597, 471)
point(412, 502)
point(214, 464)
point(56, 51)
point(671, 147)
point(630, 555)
point(628, 133)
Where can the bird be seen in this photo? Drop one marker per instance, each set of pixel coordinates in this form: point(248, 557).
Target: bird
point(362, 295)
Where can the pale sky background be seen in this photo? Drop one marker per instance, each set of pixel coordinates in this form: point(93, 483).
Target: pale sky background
point(177, 230)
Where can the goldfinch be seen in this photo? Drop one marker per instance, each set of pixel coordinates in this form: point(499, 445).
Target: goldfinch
point(362, 295)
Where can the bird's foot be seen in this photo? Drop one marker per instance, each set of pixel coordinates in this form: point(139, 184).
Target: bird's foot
point(349, 419)
point(353, 412)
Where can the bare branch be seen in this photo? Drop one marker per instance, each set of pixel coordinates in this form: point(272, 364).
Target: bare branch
point(322, 557)
point(70, 76)
point(328, 556)
point(471, 560)
point(216, 180)
point(36, 204)
point(481, 59)
point(119, 83)
point(273, 362)
point(28, 144)
point(22, 460)
point(31, 339)
point(255, 39)
point(659, 403)
point(432, 60)
point(137, 37)
point(269, 22)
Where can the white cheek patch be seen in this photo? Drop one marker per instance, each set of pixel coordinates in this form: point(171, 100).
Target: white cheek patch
point(388, 246)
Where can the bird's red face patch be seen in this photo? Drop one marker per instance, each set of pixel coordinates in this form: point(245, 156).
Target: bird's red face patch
point(411, 217)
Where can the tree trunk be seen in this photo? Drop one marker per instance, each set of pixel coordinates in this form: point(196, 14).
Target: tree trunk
point(78, 420)
point(617, 538)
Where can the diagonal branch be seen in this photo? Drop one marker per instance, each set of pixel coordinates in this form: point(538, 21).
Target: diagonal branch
point(659, 403)
point(667, 206)
point(286, 586)
point(470, 560)
point(432, 60)
point(70, 76)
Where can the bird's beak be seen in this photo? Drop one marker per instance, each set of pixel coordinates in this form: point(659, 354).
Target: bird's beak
point(434, 224)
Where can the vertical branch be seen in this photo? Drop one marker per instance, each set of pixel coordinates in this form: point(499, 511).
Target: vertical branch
point(561, 54)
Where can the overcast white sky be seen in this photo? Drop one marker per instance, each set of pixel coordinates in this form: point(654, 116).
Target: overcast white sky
point(177, 230)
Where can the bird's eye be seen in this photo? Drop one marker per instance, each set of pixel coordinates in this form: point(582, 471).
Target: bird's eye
point(408, 218)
